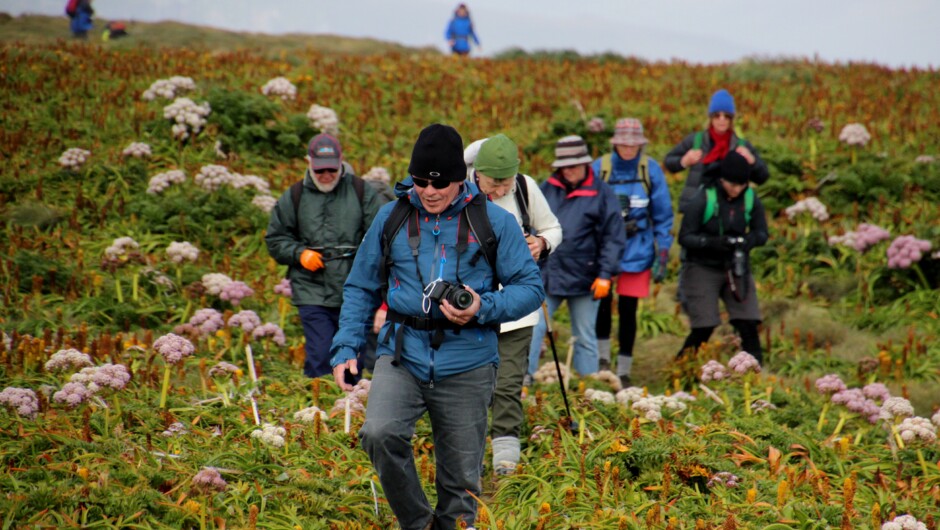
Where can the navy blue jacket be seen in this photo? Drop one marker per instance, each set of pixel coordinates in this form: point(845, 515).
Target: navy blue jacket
point(594, 235)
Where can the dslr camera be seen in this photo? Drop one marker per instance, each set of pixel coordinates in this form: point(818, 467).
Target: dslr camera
point(629, 223)
point(456, 295)
point(738, 256)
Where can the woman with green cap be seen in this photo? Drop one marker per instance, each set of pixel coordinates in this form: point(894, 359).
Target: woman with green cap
point(495, 170)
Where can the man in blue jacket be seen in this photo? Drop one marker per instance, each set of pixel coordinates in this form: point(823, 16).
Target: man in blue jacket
point(581, 268)
point(433, 356)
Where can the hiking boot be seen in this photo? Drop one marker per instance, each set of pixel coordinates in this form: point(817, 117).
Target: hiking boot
point(603, 364)
point(624, 381)
point(504, 468)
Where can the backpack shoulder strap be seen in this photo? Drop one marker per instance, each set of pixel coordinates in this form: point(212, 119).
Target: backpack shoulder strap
point(479, 222)
point(396, 219)
point(359, 186)
point(748, 204)
point(296, 190)
point(711, 203)
point(522, 201)
point(644, 173)
point(606, 166)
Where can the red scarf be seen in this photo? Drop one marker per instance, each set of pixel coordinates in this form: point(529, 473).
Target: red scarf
point(720, 145)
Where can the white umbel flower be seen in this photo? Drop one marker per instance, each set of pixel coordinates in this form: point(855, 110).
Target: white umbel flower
point(281, 87)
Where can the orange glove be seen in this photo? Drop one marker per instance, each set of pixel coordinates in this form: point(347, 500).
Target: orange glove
point(600, 288)
point(311, 260)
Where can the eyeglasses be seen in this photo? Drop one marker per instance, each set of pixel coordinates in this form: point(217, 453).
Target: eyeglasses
point(723, 115)
point(322, 171)
point(436, 184)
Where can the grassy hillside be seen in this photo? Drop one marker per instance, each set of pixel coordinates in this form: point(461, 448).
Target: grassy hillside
point(38, 29)
point(756, 450)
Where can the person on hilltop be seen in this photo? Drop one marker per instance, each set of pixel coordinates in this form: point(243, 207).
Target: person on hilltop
point(452, 267)
point(581, 269)
point(702, 151)
point(315, 229)
point(646, 209)
point(495, 170)
point(723, 221)
point(460, 30)
point(80, 13)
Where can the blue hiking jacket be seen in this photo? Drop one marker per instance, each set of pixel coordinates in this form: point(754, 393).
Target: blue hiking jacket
point(521, 294)
point(652, 212)
point(461, 30)
point(594, 235)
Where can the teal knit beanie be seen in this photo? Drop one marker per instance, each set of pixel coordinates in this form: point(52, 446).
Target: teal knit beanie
point(498, 158)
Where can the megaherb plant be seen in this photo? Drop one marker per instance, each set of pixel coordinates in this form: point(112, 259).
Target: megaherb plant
point(763, 450)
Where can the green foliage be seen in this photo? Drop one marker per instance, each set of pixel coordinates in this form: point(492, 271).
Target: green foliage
point(248, 123)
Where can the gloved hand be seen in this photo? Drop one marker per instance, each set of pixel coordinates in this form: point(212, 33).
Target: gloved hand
point(659, 266)
point(718, 242)
point(600, 288)
point(311, 260)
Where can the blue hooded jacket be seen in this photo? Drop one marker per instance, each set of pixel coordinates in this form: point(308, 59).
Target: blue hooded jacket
point(521, 292)
point(652, 212)
point(461, 30)
point(594, 235)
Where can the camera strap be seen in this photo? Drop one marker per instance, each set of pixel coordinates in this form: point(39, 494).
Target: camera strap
point(732, 284)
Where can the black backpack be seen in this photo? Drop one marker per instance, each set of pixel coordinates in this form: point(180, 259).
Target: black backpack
point(473, 218)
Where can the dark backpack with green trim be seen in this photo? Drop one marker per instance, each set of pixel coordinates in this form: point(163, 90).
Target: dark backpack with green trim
point(711, 204)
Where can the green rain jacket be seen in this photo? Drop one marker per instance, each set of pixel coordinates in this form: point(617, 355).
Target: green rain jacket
point(331, 223)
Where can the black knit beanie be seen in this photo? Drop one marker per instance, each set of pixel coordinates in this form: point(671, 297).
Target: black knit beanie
point(438, 154)
point(735, 168)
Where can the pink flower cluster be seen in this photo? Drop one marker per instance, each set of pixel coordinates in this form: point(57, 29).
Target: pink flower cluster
point(867, 236)
point(905, 251)
point(876, 391)
point(113, 376)
point(235, 292)
point(743, 363)
point(207, 321)
point(215, 281)
point(22, 400)
point(270, 330)
point(713, 371)
point(810, 204)
point(173, 348)
point(281, 87)
point(723, 478)
point(283, 288)
point(917, 429)
point(830, 384)
point(357, 398)
point(904, 522)
point(854, 134)
point(67, 359)
point(72, 394)
point(222, 370)
point(180, 251)
point(209, 479)
point(854, 399)
point(596, 124)
point(896, 407)
point(247, 320)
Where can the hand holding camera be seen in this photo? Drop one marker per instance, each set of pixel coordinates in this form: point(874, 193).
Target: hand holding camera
point(458, 303)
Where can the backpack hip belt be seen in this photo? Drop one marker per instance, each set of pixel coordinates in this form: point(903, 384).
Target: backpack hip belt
point(437, 325)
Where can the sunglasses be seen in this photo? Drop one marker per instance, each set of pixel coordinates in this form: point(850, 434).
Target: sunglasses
point(322, 171)
point(436, 184)
point(723, 115)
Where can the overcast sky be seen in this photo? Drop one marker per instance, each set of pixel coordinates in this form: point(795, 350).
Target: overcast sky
point(895, 33)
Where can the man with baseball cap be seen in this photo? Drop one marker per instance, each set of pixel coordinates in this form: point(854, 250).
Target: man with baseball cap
point(315, 229)
point(435, 356)
point(582, 267)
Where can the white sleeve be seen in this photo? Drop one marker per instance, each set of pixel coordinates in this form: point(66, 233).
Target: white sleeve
point(541, 217)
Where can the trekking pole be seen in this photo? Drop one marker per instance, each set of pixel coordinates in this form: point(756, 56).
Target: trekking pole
point(573, 425)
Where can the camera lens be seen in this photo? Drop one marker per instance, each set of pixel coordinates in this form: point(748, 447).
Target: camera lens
point(461, 298)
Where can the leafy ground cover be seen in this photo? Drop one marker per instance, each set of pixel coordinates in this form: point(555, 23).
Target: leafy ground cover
point(95, 262)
